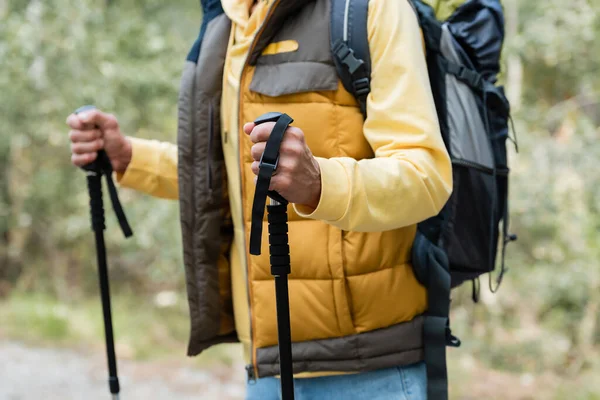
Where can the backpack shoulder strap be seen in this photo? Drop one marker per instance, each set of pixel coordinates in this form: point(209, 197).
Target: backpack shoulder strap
point(350, 47)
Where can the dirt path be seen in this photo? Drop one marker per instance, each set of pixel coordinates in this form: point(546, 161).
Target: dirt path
point(30, 373)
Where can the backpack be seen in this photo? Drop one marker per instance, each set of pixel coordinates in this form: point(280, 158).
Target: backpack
point(461, 242)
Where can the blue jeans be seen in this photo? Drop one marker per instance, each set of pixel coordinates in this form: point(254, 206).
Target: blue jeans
point(399, 383)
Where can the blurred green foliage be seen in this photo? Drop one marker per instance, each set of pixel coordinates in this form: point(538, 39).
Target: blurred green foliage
point(55, 56)
point(125, 56)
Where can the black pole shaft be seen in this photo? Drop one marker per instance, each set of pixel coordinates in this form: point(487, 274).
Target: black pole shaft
point(113, 379)
point(280, 268)
point(285, 337)
point(98, 226)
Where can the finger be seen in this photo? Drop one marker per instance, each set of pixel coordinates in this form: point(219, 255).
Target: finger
point(248, 126)
point(80, 160)
point(257, 150)
point(254, 167)
point(85, 136)
point(292, 147)
point(87, 147)
point(261, 132)
point(74, 122)
point(99, 119)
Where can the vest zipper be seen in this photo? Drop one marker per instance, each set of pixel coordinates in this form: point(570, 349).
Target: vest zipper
point(252, 369)
point(211, 132)
point(193, 155)
point(250, 373)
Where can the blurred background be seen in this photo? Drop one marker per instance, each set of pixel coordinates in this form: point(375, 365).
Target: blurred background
point(538, 338)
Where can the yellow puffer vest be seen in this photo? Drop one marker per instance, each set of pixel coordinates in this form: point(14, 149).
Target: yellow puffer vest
point(355, 303)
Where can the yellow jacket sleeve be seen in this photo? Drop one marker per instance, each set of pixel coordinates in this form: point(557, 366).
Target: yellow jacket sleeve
point(410, 178)
point(153, 168)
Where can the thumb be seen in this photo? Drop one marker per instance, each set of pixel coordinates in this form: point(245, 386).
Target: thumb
point(98, 118)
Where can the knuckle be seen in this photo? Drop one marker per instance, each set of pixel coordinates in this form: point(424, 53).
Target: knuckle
point(287, 147)
point(294, 164)
point(285, 181)
point(282, 165)
point(92, 116)
point(295, 149)
point(112, 118)
point(287, 165)
point(297, 133)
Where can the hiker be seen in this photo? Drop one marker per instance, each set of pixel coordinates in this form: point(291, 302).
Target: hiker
point(357, 188)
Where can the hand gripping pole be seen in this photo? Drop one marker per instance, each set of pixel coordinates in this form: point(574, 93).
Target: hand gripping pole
point(279, 249)
point(95, 170)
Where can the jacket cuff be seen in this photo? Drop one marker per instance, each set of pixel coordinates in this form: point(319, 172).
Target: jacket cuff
point(335, 193)
point(140, 173)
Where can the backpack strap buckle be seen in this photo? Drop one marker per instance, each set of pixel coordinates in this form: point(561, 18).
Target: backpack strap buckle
point(346, 56)
point(361, 81)
point(451, 340)
point(464, 74)
point(362, 86)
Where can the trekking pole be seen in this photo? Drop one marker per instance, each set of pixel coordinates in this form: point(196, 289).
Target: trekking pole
point(278, 243)
point(94, 171)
